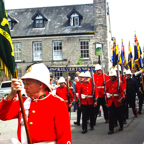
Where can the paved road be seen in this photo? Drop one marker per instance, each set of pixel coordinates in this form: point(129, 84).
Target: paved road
point(133, 132)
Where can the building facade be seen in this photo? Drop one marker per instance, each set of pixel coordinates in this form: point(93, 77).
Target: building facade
point(61, 35)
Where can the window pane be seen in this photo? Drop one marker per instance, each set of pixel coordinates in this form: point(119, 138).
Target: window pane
point(57, 74)
point(84, 46)
point(76, 21)
point(57, 50)
point(17, 51)
point(38, 23)
point(37, 51)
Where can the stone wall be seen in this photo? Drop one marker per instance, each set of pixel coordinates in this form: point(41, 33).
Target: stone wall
point(70, 44)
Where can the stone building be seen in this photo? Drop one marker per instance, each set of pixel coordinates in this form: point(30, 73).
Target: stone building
point(61, 34)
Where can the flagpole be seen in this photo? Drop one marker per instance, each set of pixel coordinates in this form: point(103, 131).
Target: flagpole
point(6, 49)
point(24, 118)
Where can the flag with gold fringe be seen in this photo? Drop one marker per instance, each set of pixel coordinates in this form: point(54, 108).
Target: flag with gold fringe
point(123, 56)
point(115, 53)
point(137, 54)
point(7, 60)
point(130, 58)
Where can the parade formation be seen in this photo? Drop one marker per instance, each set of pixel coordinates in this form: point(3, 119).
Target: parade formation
point(44, 112)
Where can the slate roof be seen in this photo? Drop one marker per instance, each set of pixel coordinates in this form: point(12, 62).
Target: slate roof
point(57, 23)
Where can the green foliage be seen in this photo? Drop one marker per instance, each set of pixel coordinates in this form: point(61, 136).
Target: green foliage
point(90, 32)
point(80, 60)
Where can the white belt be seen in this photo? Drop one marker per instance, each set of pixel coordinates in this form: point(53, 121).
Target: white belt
point(15, 141)
point(86, 96)
point(52, 142)
point(100, 86)
point(109, 95)
point(76, 94)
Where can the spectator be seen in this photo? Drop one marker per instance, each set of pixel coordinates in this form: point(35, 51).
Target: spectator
point(51, 84)
point(77, 74)
point(57, 84)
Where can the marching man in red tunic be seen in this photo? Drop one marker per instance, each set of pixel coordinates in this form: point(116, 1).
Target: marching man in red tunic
point(87, 100)
point(77, 89)
point(62, 92)
point(47, 115)
point(124, 82)
point(114, 100)
point(100, 80)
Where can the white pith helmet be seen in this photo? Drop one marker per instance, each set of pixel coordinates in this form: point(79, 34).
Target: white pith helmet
point(112, 72)
point(87, 74)
point(62, 80)
point(82, 74)
point(98, 67)
point(38, 72)
point(118, 67)
point(128, 71)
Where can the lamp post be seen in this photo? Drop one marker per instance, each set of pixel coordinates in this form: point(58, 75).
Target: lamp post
point(99, 47)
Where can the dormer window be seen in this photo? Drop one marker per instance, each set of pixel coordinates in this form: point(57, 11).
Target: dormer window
point(12, 21)
point(74, 18)
point(39, 20)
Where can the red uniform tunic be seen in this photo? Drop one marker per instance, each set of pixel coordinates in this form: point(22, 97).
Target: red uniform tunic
point(99, 83)
point(77, 90)
point(124, 83)
point(86, 94)
point(112, 93)
point(62, 92)
point(48, 119)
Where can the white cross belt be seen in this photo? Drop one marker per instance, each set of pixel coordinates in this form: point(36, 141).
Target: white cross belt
point(86, 96)
point(109, 95)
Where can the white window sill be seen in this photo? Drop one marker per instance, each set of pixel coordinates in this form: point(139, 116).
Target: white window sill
point(37, 60)
point(38, 28)
point(57, 59)
point(18, 60)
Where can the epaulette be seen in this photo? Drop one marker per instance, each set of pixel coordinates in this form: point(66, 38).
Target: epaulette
point(107, 80)
point(54, 95)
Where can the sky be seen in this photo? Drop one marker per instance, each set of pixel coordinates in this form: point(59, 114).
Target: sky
point(126, 16)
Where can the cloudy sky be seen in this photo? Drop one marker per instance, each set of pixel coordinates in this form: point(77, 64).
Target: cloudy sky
point(125, 15)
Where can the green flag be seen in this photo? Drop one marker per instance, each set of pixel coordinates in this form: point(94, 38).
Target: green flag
point(6, 47)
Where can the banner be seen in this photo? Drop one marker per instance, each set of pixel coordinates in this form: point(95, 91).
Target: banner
point(70, 69)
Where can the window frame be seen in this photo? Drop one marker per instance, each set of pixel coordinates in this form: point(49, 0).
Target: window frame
point(10, 24)
point(39, 18)
point(84, 49)
point(17, 52)
point(57, 50)
point(39, 23)
point(73, 20)
point(57, 74)
point(33, 48)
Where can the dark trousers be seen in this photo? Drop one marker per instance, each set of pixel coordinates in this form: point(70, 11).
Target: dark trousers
point(78, 113)
point(115, 111)
point(75, 106)
point(124, 110)
point(140, 96)
point(101, 101)
point(87, 110)
point(131, 102)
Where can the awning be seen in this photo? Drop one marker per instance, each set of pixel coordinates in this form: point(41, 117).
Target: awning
point(70, 69)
